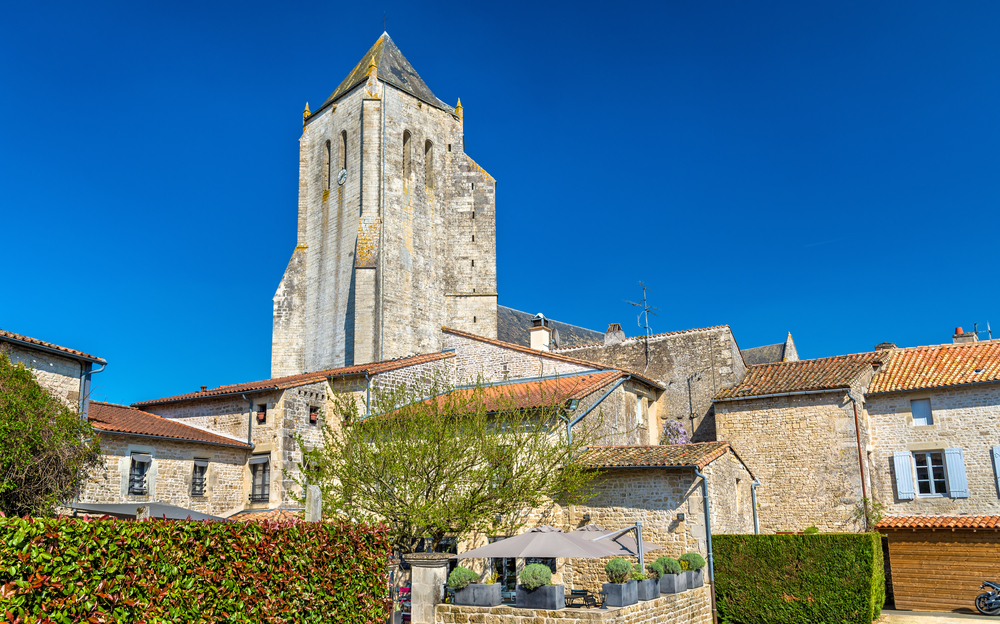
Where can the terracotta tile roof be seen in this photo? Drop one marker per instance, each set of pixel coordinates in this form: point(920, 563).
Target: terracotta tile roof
point(803, 375)
point(270, 515)
point(939, 522)
point(292, 381)
point(536, 393)
point(939, 366)
point(548, 354)
point(660, 335)
point(123, 419)
point(11, 336)
point(699, 454)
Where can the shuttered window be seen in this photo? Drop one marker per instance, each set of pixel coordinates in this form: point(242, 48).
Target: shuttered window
point(902, 464)
point(996, 466)
point(958, 485)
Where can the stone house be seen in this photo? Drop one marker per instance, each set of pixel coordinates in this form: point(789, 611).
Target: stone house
point(65, 372)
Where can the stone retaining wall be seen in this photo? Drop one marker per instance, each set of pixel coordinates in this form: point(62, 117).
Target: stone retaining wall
point(691, 607)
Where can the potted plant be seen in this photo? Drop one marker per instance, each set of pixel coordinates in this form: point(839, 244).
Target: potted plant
point(470, 593)
point(621, 591)
point(648, 584)
point(692, 563)
point(535, 591)
point(672, 581)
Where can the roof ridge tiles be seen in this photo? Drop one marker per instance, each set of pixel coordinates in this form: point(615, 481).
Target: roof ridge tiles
point(48, 345)
point(659, 335)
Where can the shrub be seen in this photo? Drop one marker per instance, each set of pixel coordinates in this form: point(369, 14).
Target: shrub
point(156, 571)
point(669, 565)
point(637, 573)
point(535, 575)
point(692, 561)
point(655, 569)
point(618, 570)
point(460, 577)
point(811, 530)
point(781, 579)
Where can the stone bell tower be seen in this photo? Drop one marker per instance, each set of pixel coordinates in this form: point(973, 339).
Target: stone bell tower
point(396, 226)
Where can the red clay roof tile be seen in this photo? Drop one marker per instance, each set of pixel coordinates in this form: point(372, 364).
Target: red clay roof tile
point(939, 522)
point(11, 336)
point(698, 454)
point(803, 375)
point(123, 419)
point(537, 393)
point(938, 366)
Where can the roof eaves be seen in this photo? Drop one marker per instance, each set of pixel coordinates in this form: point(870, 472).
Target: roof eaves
point(940, 387)
point(233, 444)
point(48, 347)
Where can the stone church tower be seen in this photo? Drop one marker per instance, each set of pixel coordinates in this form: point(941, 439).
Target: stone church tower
point(396, 226)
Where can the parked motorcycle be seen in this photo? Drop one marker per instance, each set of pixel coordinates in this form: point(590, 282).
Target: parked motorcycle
point(988, 602)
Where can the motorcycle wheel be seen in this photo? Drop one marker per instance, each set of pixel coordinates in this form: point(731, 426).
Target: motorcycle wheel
point(984, 599)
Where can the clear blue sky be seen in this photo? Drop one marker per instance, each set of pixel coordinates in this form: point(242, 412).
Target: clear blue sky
point(830, 169)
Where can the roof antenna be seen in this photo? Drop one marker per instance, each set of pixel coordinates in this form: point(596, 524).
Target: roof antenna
point(384, 18)
point(643, 318)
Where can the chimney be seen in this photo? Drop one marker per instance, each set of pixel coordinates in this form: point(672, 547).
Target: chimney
point(541, 334)
point(614, 335)
point(961, 336)
point(203, 388)
point(885, 346)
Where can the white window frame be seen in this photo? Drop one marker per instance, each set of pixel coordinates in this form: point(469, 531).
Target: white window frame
point(930, 467)
point(930, 412)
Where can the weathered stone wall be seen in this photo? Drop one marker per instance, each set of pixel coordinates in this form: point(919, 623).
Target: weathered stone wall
point(58, 375)
point(729, 496)
point(691, 607)
point(804, 450)
point(693, 365)
point(616, 421)
point(966, 418)
point(169, 477)
point(474, 358)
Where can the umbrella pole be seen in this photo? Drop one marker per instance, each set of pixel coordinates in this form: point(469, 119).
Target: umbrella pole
point(638, 541)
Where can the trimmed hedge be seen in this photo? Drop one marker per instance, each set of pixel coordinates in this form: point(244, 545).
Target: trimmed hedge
point(72, 570)
point(834, 578)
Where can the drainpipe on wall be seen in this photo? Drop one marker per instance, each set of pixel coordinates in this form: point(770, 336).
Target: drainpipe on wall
point(861, 462)
point(85, 374)
point(708, 539)
point(753, 502)
point(569, 425)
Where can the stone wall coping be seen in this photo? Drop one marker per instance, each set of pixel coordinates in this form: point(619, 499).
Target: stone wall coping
point(428, 560)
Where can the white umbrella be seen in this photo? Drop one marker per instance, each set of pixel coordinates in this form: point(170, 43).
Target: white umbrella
point(543, 541)
point(623, 544)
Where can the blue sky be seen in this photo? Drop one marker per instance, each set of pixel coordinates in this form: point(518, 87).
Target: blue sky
point(829, 169)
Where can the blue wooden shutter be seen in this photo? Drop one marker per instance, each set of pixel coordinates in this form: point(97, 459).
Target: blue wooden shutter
point(996, 466)
point(904, 475)
point(954, 465)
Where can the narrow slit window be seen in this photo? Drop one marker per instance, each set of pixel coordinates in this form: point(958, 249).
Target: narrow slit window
point(473, 263)
point(429, 164)
point(473, 319)
point(343, 150)
point(449, 147)
point(473, 238)
point(198, 477)
point(327, 165)
point(137, 473)
point(473, 214)
point(406, 154)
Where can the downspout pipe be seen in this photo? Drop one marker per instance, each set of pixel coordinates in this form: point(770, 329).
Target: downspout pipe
point(249, 418)
point(753, 502)
point(569, 425)
point(708, 524)
point(85, 374)
point(861, 463)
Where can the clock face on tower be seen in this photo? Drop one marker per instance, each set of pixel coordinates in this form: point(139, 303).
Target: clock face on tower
point(342, 177)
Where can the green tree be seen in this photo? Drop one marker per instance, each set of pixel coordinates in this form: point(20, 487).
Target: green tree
point(470, 459)
point(47, 448)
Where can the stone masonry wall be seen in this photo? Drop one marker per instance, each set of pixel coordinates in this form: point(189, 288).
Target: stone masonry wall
point(691, 607)
point(729, 496)
point(169, 477)
point(497, 363)
point(58, 375)
point(966, 418)
point(615, 422)
point(693, 365)
point(804, 451)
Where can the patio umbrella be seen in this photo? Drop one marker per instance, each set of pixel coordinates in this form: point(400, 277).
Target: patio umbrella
point(624, 544)
point(156, 510)
point(543, 541)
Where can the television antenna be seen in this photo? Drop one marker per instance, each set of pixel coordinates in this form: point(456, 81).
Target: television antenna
point(987, 331)
point(642, 319)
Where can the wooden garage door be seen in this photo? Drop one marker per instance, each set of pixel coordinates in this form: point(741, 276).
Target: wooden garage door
point(941, 570)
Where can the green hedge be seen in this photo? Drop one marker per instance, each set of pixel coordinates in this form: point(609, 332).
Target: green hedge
point(773, 579)
point(73, 570)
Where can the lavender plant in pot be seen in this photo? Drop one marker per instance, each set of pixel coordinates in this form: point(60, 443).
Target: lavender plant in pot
point(535, 591)
point(693, 565)
point(672, 581)
point(648, 584)
point(621, 591)
point(470, 593)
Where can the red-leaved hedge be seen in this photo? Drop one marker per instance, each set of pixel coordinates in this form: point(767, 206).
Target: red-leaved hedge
point(74, 570)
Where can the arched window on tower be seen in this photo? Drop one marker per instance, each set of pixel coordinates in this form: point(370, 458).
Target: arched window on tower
point(343, 151)
point(429, 164)
point(407, 163)
point(327, 164)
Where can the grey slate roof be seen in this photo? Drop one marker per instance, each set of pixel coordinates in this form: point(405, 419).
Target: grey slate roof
point(394, 69)
point(768, 354)
point(512, 327)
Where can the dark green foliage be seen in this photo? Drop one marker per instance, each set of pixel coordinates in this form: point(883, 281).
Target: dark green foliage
point(655, 569)
point(72, 570)
point(691, 561)
point(619, 570)
point(834, 578)
point(669, 565)
point(637, 573)
point(535, 575)
point(46, 451)
point(811, 530)
point(460, 577)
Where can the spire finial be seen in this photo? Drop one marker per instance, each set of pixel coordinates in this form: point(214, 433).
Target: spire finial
point(458, 108)
point(305, 115)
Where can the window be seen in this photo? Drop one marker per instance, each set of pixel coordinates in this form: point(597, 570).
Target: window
point(930, 474)
point(429, 164)
point(137, 473)
point(921, 409)
point(198, 477)
point(343, 150)
point(473, 238)
point(260, 475)
point(313, 414)
point(938, 473)
point(327, 164)
point(473, 263)
point(262, 414)
point(640, 410)
point(407, 164)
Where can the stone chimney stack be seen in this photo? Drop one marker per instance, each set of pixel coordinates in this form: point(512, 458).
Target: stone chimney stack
point(541, 333)
point(961, 336)
point(614, 335)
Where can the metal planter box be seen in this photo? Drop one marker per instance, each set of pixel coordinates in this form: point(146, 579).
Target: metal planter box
point(673, 583)
point(648, 589)
point(549, 597)
point(694, 578)
point(621, 595)
point(478, 595)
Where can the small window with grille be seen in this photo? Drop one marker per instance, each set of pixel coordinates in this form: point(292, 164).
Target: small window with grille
point(313, 415)
point(260, 474)
point(262, 414)
point(137, 473)
point(199, 477)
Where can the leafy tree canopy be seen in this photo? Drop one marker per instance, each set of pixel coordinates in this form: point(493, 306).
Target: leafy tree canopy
point(47, 448)
point(470, 459)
